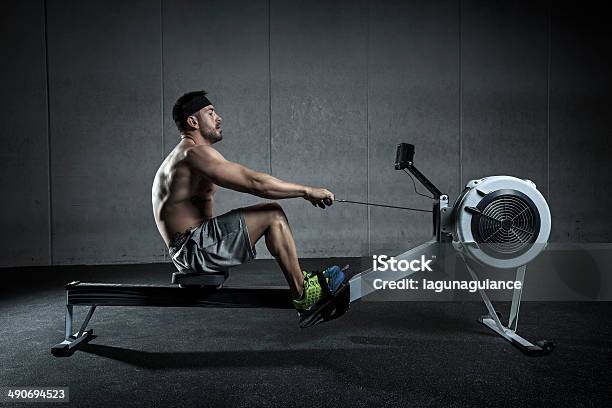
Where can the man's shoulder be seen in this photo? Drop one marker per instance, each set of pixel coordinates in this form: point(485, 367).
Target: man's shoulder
point(202, 153)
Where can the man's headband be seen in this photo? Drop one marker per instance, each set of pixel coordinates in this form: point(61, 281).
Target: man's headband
point(194, 105)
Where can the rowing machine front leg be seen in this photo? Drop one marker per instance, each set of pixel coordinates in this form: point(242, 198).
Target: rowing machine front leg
point(493, 320)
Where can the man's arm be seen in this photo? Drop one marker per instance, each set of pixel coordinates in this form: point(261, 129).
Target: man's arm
point(234, 176)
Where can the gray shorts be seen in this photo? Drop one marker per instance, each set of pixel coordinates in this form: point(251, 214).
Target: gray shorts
point(213, 247)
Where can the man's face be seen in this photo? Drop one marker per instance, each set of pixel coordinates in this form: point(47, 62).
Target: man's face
point(210, 124)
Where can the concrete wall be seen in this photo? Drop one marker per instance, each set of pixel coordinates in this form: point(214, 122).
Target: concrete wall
point(316, 92)
point(24, 157)
point(104, 71)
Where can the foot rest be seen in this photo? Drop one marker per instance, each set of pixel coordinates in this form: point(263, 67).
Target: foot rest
point(336, 306)
point(184, 279)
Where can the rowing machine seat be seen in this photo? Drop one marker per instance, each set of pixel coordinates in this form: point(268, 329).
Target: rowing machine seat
point(186, 279)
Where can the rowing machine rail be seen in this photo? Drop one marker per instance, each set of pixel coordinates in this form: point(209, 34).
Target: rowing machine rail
point(108, 294)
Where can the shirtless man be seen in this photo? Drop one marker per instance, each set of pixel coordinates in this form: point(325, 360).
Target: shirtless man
point(183, 200)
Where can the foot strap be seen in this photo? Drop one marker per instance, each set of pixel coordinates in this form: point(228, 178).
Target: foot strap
point(323, 283)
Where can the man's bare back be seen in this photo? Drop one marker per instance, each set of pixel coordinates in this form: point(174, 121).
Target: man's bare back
point(182, 198)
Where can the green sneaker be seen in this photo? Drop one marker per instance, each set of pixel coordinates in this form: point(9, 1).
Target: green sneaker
point(317, 303)
point(315, 296)
point(313, 293)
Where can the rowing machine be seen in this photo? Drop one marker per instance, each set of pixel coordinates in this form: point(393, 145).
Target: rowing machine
point(501, 221)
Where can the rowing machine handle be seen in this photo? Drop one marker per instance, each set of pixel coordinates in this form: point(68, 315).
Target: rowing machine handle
point(327, 201)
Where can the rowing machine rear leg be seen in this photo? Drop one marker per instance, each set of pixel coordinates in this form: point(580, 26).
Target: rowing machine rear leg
point(493, 319)
point(72, 341)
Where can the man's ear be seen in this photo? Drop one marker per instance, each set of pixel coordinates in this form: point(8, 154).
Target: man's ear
point(193, 122)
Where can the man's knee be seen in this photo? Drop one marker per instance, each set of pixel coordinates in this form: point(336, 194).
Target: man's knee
point(266, 214)
point(276, 214)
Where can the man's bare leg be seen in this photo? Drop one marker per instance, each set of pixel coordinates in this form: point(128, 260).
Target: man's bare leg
point(269, 220)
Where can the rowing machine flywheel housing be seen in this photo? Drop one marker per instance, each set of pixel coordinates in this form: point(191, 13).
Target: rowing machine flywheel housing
point(501, 221)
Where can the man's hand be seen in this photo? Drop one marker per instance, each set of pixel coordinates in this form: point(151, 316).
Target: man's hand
point(317, 195)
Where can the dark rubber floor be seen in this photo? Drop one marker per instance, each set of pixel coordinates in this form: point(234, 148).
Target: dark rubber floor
point(417, 354)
